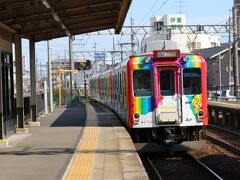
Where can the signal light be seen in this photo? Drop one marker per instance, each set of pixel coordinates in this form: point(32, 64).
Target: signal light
point(88, 64)
point(83, 65)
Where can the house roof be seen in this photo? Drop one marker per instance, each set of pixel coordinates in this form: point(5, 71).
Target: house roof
point(47, 19)
point(209, 53)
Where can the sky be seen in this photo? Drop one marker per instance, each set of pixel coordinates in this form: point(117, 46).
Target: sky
point(197, 12)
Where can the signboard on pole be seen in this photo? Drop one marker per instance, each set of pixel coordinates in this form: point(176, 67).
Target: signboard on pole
point(99, 56)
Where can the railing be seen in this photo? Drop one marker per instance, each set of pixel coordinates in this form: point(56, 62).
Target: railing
point(66, 97)
point(27, 106)
point(223, 93)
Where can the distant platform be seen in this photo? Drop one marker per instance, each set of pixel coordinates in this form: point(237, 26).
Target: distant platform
point(225, 104)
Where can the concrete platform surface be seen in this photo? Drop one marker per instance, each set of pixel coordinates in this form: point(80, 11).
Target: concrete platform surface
point(83, 141)
point(225, 104)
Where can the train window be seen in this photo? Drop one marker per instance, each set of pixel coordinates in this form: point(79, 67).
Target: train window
point(167, 87)
point(142, 83)
point(192, 81)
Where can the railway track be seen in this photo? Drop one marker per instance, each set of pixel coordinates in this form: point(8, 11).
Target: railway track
point(223, 140)
point(225, 130)
point(226, 145)
point(177, 166)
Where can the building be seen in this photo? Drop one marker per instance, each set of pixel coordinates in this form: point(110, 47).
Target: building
point(99, 63)
point(183, 41)
point(64, 64)
point(218, 66)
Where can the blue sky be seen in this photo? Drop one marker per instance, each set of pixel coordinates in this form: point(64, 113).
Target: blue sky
point(197, 12)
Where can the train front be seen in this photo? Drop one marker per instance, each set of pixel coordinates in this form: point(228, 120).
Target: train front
point(168, 97)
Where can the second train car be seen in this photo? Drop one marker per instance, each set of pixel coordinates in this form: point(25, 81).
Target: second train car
point(161, 97)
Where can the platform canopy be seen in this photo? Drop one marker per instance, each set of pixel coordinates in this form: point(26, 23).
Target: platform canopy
point(47, 19)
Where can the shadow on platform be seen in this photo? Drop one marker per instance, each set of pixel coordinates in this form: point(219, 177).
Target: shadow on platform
point(75, 115)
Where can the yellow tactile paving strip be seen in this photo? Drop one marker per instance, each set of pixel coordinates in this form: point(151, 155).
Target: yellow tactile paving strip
point(81, 165)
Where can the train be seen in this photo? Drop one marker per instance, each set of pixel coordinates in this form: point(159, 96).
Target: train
point(160, 96)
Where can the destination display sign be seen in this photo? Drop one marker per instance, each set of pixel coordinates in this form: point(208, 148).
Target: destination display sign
point(166, 53)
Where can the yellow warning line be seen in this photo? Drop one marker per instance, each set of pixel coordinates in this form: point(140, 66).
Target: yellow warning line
point(83, 159)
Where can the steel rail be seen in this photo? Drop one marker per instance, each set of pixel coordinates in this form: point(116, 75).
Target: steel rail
point(206, 168)
point(227, 130)
point(210, 171)
point(223, 144)
point(154, 169)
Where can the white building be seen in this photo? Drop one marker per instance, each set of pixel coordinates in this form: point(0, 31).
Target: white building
point(173, 38)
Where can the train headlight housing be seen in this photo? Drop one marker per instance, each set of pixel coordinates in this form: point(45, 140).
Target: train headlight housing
point(200, 115)
point(185, 59)
point(147, 60)
point(136, 118)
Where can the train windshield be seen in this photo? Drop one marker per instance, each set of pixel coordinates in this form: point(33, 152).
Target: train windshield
point(192, 81)
point(167, 82)
point(142, 83)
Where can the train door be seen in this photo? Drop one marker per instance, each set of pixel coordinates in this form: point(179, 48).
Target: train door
point(8, 94)
point(168, 97)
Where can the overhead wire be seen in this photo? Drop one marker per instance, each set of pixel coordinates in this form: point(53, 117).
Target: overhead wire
point(159, 8)
point(150, 10)
point(163, 4)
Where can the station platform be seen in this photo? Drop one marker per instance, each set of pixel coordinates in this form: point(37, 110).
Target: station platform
point(225, 104)
point(84, 141)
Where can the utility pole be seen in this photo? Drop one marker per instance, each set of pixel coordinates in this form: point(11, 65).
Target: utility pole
point(50, 78)
point(104, 61)
point(71, 65)
point(113, 54)
point(65, 65)
point(85, 84)
point(230, 53)
point(95, 61)
point(132, 37)
point(180, 6)
point(235, 52)
point(220, 74)
point(121, 52)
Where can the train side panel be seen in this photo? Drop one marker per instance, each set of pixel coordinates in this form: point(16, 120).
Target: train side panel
point(140, 104)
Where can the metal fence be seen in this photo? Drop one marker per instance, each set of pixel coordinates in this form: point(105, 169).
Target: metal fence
point(66, 97)
point(223, 93)
point(27, 106)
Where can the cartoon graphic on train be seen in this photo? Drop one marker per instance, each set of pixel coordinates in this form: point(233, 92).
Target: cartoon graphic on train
point(159, 96)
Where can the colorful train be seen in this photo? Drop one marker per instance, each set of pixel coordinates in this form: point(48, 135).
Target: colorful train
point(161, 97)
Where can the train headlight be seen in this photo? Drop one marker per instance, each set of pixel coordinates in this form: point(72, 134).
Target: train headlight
point(200, 115)
point(185, 59)
point(136, 118)
point(147, 60)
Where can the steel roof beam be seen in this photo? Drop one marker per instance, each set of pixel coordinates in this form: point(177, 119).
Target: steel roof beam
point(16, 2)
point(56, 17)
point(60, 16)
point(91, 20)
point(69, 14)
point(57, 29)
point(62, 7)
point(122, 15)
point(51, 35)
